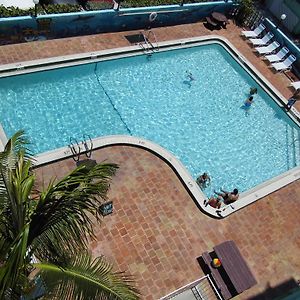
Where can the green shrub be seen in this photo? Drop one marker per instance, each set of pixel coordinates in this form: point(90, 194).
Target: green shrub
point(6, 12)
point(246, 7)
point(246, 10)
point(61, 8)
point(11, 11)
point(143, 3)
point(100, 5)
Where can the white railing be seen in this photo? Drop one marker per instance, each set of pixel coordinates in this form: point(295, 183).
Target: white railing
point(200, 289)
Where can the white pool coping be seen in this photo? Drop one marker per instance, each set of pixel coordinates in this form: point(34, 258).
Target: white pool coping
point(245, 199)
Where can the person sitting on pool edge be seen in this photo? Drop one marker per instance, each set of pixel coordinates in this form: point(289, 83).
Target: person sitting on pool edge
point(213, 202)
point(290, 103)
point(228, 197)
point(203, 180)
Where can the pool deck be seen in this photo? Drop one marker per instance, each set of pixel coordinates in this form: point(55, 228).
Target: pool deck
point(156, 232)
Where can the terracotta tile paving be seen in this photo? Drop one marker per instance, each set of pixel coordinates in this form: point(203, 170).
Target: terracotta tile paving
point(156, 231)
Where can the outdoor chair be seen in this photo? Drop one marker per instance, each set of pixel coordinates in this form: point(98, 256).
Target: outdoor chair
point(263, 41)
point(254, 33)
point(267, 49)
point(278, 56)
point(285, 65)
point(296, 85)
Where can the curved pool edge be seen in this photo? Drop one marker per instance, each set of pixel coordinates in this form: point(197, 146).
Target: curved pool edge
point(188, 181)
point(184, 176)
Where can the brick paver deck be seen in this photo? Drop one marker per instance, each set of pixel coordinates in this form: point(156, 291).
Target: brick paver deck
point(156, 231)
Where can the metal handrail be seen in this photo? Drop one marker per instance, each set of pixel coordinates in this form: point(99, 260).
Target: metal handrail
point(209, 287)
point(146, 42)
point(149, 45)
point(155, 39)
point(88, 149)
point(72, 145)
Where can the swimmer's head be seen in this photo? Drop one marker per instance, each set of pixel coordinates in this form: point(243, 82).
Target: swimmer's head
point(235, 191)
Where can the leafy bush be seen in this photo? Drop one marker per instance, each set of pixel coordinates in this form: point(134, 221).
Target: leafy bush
point(6, 12)
point(61, 8)
point(46, 8)
point(143, 3)
point(246, 10)
point(99, 5)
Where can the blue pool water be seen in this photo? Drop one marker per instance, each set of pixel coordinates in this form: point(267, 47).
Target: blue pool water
point(200, 121)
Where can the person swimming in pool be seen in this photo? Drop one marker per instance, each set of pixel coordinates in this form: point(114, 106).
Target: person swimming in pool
point(203, 180)
point(249, 102)
point(190, 76)
point(253, 91)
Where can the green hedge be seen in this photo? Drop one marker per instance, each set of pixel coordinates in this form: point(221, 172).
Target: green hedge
point(65, 8)
point(11, 11)
point(143, 3)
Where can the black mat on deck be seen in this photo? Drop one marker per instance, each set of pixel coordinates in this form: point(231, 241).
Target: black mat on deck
point(135, 38)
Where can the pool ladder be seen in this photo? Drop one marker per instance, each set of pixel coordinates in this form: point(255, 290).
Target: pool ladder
point(146, 44)
point(85, 146)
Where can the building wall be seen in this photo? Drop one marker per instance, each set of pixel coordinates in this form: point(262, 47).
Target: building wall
point(291, 8)
point(93, 22)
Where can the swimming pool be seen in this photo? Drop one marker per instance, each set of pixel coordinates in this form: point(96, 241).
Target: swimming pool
point(200, 121)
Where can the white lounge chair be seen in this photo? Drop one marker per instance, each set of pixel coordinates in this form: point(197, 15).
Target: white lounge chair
point(278, 56)
point(286, 64)
point(267, 49)
point(263, 41)
point(254, 33)
point(296, 85)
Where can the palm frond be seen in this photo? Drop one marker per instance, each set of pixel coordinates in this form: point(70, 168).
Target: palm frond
point(15, 201)
point(16, 182)
point(14, 267)
point(85, 278)
point(63, 218)
point(15, 146)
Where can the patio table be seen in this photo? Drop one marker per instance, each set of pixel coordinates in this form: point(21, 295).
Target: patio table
point(235, 266)
point(219, 17)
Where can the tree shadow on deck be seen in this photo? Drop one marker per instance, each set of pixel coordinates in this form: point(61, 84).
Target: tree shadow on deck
point(287, 290)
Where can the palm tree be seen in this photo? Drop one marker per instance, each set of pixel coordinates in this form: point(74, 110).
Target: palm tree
point(44, 235)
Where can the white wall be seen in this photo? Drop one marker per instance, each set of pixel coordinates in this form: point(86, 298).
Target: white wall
point(17, 3)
